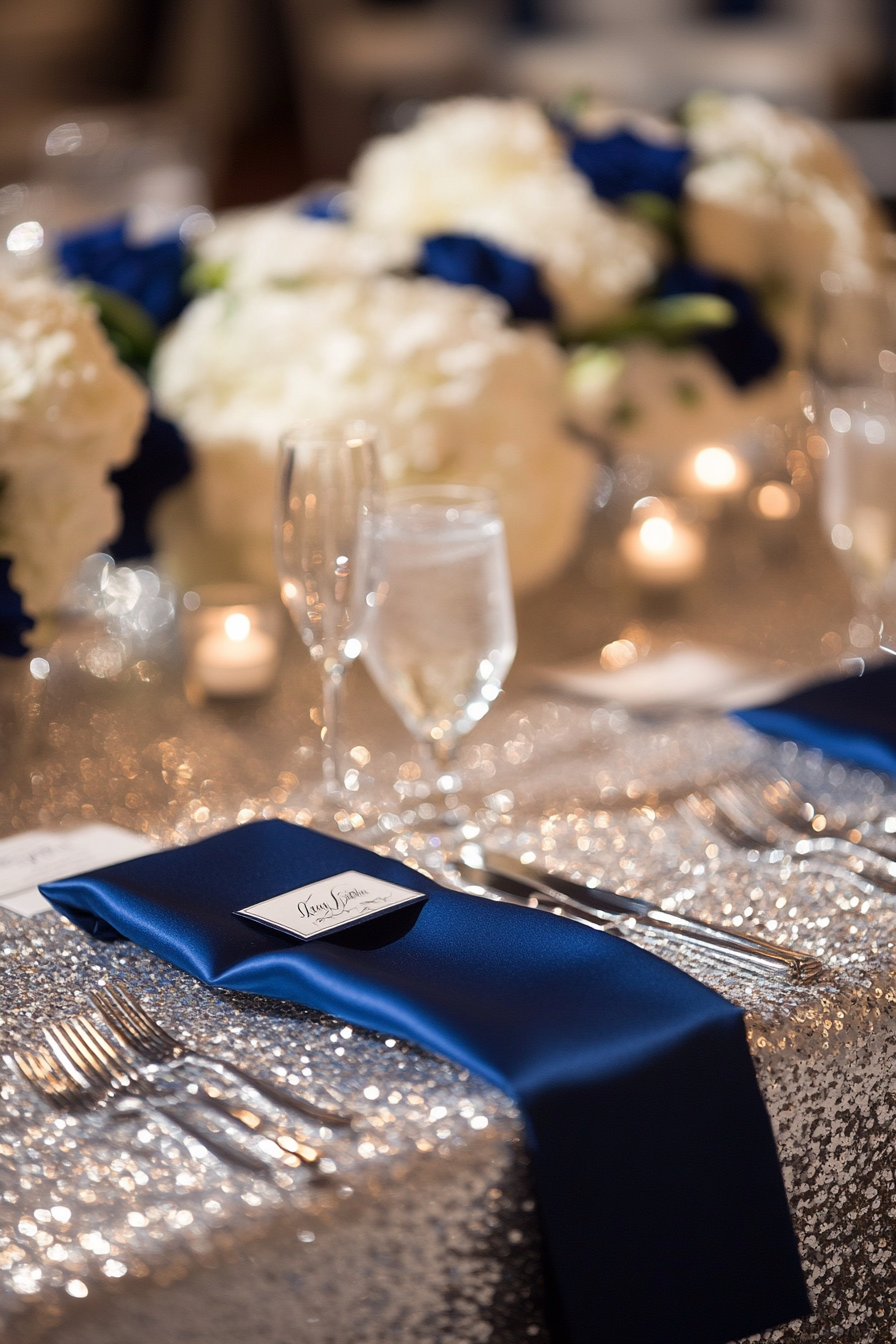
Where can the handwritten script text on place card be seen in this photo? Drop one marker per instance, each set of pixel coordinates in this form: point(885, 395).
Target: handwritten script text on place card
point(333, 903)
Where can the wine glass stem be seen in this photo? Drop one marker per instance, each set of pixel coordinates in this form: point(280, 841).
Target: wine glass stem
point(444, 752)
point(332, 691)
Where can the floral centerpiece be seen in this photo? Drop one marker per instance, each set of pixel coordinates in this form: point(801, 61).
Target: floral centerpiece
point(69, 412)
point(462, 396)
point(495, 283)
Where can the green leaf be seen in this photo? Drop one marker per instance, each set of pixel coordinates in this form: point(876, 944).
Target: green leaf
point(205, 275)
point(672, 321)
point(653, 208)
point(128, 325)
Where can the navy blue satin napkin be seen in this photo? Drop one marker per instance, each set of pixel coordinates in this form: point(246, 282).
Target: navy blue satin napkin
point(660, 1192)
point(854, 718)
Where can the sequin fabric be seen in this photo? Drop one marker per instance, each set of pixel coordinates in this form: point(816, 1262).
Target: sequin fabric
point(421, 1226)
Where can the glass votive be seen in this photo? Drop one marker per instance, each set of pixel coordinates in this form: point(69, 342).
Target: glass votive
point(231, 635)
point(658, 548)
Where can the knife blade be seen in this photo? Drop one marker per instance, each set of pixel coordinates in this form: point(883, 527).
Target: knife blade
point(496, 868)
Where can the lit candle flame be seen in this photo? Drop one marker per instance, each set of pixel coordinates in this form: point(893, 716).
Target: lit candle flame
point(656, 534)
point(715, 468)
point(237, 626)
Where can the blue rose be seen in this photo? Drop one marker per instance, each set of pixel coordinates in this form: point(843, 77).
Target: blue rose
point(162, 461)
point(327, 203)
point(622, 164)
point(461, 259)
point(746, 350)
point(13, 620)
point(150, 274)
point(150, 279)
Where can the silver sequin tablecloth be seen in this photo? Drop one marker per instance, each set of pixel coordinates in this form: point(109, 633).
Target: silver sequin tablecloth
point(422, 1226)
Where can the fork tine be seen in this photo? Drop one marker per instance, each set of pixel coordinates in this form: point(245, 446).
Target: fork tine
point(76, 1057)
point(139, 1014)
point(100, 1054)
point(114, 1018)
point(129, 1029)
point(123, 1033)
point(74, 1066)
point(101, 1046)
point(44, 1076)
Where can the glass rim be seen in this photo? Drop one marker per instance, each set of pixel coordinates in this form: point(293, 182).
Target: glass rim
point(334, 430)
point(477, 497)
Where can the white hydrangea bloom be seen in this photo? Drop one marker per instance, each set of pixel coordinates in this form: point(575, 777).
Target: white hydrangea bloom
point(69, 411)
point(458, 155)
point(461, 397)
point(775, 193)
point(496, 169)
point(275, 246)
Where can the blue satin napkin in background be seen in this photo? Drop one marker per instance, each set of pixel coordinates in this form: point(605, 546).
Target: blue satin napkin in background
point(660, 1193)
point(853, 718)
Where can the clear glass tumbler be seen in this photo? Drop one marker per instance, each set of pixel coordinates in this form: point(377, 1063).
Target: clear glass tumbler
point(440, 634)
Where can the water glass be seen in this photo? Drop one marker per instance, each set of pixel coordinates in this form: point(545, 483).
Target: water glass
point(440, 635)
point(328, 496)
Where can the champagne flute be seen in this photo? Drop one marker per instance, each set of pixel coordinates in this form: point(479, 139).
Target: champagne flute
point(328, 495)
point(441, 633)
point(854, 437)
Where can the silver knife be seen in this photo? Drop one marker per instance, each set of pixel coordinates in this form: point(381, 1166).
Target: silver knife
point(515, 878)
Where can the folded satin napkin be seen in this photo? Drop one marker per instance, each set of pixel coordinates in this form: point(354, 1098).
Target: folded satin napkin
point(853, 718)
point(660, 1193)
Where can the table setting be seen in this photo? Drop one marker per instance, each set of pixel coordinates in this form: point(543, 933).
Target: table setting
point(449, 868)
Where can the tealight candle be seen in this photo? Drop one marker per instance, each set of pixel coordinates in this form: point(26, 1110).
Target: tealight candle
point(715, 471)
point(230, 641)
point(662, 552)
point(235, 660)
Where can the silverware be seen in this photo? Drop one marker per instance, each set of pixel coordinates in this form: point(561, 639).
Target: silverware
point(45, 1076)
point(509, 875)
point(79, 1079)
point(85, 1053)
point(722, 813)
point(791, 807)
point(135, 1028)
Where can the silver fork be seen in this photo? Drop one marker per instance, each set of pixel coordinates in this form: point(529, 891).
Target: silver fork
point(61, 1089)
point(133, 1026)
point(789, 804)
point(45, 1075)
point(291, 1151)
point(94, 1064)
point(717, 812)
point(869, 864)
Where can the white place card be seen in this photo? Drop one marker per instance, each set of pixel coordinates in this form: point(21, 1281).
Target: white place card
point(334, 903)
point(45, 856)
